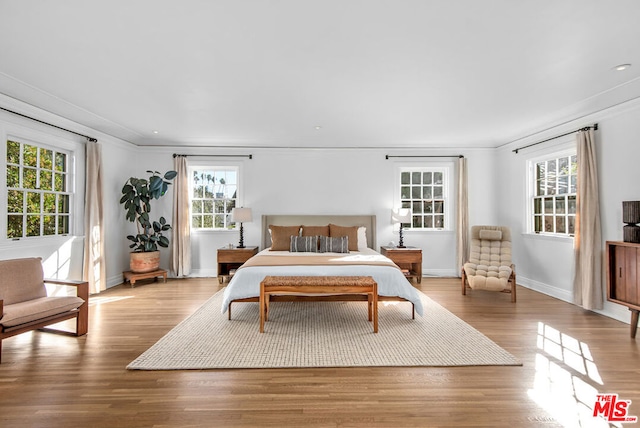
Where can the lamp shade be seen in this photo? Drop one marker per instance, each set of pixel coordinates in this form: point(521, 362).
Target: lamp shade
point(401, 215)
point(241, 215)
point(631, 212)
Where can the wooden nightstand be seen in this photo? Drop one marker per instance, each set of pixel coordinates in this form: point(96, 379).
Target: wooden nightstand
point(231, 259)
point(409, 259)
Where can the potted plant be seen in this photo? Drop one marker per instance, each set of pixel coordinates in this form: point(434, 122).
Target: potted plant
point(137, 194)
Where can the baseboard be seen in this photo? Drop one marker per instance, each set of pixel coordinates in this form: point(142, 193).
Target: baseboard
point(443, 273)
point(203, 273)
point(611, 310)
point(549, 290)
point(114, 280)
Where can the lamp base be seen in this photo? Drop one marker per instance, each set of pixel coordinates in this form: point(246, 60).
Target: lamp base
point(241, 243)
point(401, 242)
point(631, 233)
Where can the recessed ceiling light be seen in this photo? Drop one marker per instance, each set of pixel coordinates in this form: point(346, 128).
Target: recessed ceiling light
point(318, 127)
point(155, 131)
point(621, 67)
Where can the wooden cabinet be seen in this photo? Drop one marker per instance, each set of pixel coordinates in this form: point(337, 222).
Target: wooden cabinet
point(230, 259)
point(409, 259)
point(623, 277)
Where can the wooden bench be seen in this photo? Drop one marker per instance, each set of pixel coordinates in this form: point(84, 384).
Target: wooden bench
point(322, 286)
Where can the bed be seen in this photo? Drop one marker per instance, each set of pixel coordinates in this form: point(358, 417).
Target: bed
point(360, 260)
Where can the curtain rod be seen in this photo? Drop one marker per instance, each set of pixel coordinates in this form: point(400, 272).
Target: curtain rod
point(217, 156)
point(594, 127)
point(93, 140)
point(425, 156)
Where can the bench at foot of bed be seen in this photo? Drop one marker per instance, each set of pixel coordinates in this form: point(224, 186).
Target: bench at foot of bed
point(322, 298)
point(319, 285)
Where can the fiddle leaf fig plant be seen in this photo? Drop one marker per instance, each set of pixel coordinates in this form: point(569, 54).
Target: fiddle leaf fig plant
point(137, 194)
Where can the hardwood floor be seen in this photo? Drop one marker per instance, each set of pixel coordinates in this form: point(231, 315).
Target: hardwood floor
point(49, 380)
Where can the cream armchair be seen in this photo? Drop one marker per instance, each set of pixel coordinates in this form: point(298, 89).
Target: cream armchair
point(489, 266)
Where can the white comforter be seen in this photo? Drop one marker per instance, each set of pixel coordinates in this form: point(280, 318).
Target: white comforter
point(391, 282)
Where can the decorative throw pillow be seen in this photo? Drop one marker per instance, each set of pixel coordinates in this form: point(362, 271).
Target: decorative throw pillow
point(304, 244)
point(281, 236)
point(334, 245)
point(349, 231)
point(315, 230)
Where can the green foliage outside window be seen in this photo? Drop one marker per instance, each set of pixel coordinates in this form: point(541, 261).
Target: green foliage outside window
point(214, 194)
point(37, 201)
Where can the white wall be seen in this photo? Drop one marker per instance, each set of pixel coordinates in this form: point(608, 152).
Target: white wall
point(119, 161)
point(62, 256)
point(295, 181)
point(546, 264)
point(350, 181)
point(334, 181)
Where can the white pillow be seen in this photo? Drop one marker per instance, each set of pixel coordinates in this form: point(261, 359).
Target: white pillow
point(362, 238)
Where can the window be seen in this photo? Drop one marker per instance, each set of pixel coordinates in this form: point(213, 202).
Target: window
point(554, 194)
point(214, 193)
point(38, 191)
point(424, 192)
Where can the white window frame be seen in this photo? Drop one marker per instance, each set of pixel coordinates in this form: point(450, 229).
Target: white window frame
point(446, 168)
point(75, 178)
point(567, 150)
point(197, 165)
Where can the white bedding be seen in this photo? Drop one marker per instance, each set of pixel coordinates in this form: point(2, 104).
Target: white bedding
point(391, 282)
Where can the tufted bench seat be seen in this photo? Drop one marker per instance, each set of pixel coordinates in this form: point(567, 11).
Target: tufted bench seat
point(25, 306)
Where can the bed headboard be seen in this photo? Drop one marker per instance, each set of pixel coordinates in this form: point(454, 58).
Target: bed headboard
point(368, 221)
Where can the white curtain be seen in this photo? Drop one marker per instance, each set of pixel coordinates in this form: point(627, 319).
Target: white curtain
point(462, 229)
point(93, 267)
point(588, 288)
point(181, 228)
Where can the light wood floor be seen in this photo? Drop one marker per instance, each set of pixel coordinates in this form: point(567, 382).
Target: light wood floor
point(49, 380)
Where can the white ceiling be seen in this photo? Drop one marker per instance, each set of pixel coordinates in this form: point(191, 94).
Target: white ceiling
point(371, 73)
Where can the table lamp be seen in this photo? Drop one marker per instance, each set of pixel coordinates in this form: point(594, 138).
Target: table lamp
point(401, 215)
point(241, 215)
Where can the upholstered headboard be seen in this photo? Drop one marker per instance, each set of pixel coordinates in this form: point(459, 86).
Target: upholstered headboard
point(368, 221)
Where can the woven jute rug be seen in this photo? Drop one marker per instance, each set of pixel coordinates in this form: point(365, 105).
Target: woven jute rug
point(320, 334)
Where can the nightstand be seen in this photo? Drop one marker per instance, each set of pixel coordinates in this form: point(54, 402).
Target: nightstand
point(231, 259)
point(409, 259)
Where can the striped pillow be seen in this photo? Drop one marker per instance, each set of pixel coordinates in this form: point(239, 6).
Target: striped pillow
point(307, 244)
point(338, 244)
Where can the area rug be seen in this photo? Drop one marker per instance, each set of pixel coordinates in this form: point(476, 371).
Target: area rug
point(320, 334)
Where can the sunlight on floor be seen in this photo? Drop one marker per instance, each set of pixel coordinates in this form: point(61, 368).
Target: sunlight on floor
point(567, 379)
point(102, 300)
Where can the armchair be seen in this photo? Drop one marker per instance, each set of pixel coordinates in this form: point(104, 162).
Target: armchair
point(489, 266)
point(25, 306)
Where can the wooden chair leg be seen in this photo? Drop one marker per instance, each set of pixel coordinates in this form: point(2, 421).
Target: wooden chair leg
point(464, 280)
point(82, 320)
